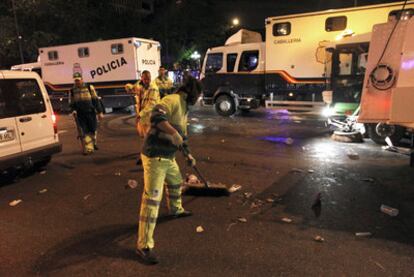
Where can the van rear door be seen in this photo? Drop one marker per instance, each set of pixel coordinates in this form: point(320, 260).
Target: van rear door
point(9, 135)
point(34, 122)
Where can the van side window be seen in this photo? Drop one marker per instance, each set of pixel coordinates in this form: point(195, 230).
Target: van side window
point(53, 55)
point(117, 48)
point(20, 97)
point(281, 29)
point(337, 23)
point(249, 61)
point(214, 62)
point(231, 61)
point(83, 52)
point(400, 14)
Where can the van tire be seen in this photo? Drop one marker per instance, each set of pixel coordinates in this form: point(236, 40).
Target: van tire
point(225, 105)
point(42, 163)
point(396, 135)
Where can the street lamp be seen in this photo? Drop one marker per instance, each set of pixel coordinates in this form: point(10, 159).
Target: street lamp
point(196, 57)
point(19, 37)
point(235, 21)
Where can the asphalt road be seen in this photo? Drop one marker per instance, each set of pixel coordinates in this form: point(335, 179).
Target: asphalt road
point(85, 224)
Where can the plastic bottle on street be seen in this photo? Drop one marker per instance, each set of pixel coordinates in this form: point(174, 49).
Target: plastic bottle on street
point(389, 210)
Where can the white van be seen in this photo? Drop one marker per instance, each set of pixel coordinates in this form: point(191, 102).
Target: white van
point(28, 131)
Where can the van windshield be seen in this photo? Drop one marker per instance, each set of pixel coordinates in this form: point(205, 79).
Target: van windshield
point(20, 97)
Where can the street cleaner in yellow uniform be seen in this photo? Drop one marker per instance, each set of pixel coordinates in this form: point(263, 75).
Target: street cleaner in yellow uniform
point(164, 84)
point(86, 107)
point(146, 97)
point(167, 135)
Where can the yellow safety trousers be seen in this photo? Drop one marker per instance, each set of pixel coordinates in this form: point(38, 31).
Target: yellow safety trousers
point(88, 143)
point(156, 172)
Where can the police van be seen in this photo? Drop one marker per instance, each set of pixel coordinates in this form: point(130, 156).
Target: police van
point(288, 69)
point(108, 65)
point(28, 131)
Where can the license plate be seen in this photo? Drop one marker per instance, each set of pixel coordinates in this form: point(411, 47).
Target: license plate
point(6, 136)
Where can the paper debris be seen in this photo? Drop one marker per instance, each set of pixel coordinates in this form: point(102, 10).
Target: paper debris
point(199, 229)
point(15, 202)
point(235, 188)
point(287, 220)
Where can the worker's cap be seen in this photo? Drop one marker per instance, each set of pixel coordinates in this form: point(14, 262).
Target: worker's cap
point(77, 76)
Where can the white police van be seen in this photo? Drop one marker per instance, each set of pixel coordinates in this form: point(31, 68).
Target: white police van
point(28, 131)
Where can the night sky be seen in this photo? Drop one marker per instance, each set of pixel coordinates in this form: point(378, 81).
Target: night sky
point(253, 13)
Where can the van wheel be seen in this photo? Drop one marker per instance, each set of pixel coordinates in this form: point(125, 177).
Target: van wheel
point(42, 163)
point(225, 105)
point(378, 132)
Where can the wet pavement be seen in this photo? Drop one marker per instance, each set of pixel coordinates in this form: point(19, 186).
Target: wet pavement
point(85, 223)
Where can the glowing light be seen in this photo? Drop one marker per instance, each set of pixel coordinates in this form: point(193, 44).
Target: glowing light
point(235, 21)
point(328, 111)
point(407, 65)
point(195, 55)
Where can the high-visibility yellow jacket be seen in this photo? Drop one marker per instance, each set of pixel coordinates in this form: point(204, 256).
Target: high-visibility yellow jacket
point(165, 85)
point(84, 99)
point(145, 99)
point(172, 108)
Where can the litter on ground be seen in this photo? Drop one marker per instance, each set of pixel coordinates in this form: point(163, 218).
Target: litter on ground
point(42, 191)
point(242, 219)
point(363, 234)
point(389, 210)
point(287, 220)
point(132, 184)
point(86, 197)
point(235, 188)
point(319, 239)
point(15, 202)
point(199, 229)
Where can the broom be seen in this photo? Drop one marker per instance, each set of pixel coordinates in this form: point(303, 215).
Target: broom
point(204, 188)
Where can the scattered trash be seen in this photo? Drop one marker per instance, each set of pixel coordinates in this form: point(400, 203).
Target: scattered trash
point(311, 171)
point(43, 172)
point(247, 195)
point(378, 264)
point(270, 200)
point(192, 179)
point(296, 170)
point(118, 173)
point(389, 210)
point(353, 155)
point(222, 141)
point(257, 203)
point(132, 184)
point(15, 202)
point(230, 225)
point(287, 220)
point(289, 141)
point(363, 234)
point(369, 180)
point(319, 239)
point(199, 229)
point(42, 191)
point(208, 158)
point(242, 219)
point(86, 197)
point(235, 188)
